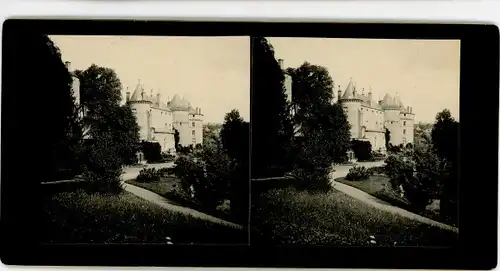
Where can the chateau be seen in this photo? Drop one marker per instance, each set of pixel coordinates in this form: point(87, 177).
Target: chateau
point(370, 119)
point(156, 119)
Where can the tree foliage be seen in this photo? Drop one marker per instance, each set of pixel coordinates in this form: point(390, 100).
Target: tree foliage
point(235, 139)
point(444, 135)
point(312, 85)
point(362, 149)
point(177, 138)
point(38, 80)
point(272, 126)
point(324, 127)
point(100, 98)
point(419, 172)
point(387, 138)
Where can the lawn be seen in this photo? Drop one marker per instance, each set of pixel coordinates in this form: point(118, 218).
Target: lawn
point(77, 217)
point(379, 187)
point(170, 188)
point(286, 216)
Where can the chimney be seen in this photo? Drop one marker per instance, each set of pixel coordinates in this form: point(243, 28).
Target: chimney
point(339, 92)
point(370, 95)
point(68, 65)
point(158, 97)
point(127, 95)
point(280, 62)
point(199, 111)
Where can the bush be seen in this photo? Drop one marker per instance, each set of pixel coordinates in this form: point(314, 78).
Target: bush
point(147, 175)
point(167, 157)
point(208, 172)
point(152, 151)
point(164, 172)
point(376, 170)
point(313, 164)
point(102, 164)
point(362, 150)
point(357, 174)
point(419, 172)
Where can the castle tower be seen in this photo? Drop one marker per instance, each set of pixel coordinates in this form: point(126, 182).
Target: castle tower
point(392, 119)
point(351, 103)
point(141, 106)
point(180, 111)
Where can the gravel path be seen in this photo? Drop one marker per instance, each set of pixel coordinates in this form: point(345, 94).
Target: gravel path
point(131, 173)
point(341, 171)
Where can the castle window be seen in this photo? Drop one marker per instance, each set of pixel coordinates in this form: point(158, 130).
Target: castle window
point(193, 132)
point(405, 115)
point(404, 123)
point(404, 131)
point(193, 124)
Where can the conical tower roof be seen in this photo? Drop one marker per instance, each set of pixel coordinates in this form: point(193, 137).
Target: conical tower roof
point(349, 91)
point(138, 93)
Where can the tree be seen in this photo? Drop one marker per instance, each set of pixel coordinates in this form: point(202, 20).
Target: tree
point(445, 136)
point(47, 92)
point(362, 149)
point(312, 93)
point(37, 124)
point(100, 98)
point(235, 139)
point(445, 142)
point(326, 139)
point(272, 127)
point(387, 139)
point(312, 85)
point(419, 172)
point(177, 139)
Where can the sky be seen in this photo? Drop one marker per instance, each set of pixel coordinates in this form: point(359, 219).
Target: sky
point(212, 73)
point(425, 73)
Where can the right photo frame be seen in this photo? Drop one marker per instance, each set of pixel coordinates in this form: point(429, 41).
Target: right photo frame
point(355, 142)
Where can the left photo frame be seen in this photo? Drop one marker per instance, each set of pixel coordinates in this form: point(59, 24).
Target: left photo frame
point(144, 138)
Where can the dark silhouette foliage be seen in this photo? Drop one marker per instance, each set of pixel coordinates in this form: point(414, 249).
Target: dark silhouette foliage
point(272, 128)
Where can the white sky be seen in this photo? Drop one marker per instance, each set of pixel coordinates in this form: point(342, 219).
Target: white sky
point(213, 73)
point(425, 73)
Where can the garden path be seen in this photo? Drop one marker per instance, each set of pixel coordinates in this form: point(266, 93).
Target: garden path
point(342, 170)
point(132, 173)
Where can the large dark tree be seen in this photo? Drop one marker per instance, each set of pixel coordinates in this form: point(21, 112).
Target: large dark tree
point(316, 115)
point(272, 128)
point(445, 142)
point(312, 86)
point(37, 109)
point(235, 137)
point(100, 98)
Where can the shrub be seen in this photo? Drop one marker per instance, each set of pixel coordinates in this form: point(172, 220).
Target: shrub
point(208, 172)
point(362, 150)
point(357, 174)
point(419, 172)
point(313, 164)
point(164, 172)
point(102, 164)
point(376, 170)
point(152, 151)
point(167, 157)
point(147, 175)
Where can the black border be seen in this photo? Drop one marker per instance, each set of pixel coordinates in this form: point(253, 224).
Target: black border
point(479, 95)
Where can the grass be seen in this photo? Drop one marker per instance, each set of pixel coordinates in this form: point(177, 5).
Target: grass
point(380, 187)
point(169, 187)
point(286, 216)
point(77, 217)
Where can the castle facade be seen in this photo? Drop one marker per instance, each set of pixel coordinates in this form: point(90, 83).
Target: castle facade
point(158, 120)
point(368, 118)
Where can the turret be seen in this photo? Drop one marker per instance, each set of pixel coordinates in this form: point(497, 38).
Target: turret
point(141, 105)
point(352, 106)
